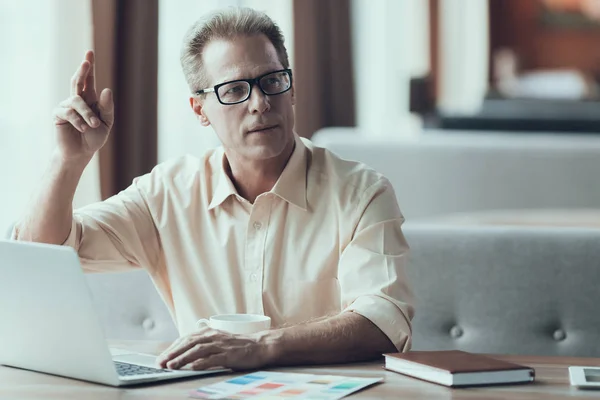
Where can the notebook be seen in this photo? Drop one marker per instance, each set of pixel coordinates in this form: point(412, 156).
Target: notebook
point(457, 368)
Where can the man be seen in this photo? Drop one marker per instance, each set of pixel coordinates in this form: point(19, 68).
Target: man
point(266, 224)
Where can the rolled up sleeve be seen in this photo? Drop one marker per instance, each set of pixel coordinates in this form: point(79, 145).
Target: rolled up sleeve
point(116, 234)
point(371, 270)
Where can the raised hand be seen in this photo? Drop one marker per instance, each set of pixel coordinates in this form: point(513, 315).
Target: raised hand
point(83, 121)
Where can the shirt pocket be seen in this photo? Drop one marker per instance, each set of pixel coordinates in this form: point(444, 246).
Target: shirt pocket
point(304, 301)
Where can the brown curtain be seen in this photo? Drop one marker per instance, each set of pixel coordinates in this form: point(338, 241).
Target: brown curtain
point(323, 72)
point(126, 46)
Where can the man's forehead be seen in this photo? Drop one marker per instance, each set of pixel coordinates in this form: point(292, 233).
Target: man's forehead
point(247, 71)
point(242, 58)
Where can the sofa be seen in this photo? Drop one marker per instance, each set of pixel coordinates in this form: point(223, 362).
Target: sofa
point(129, 307)
point(442, 172)
point(506, 289)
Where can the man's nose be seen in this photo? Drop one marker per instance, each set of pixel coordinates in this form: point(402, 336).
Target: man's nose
point(258, 101)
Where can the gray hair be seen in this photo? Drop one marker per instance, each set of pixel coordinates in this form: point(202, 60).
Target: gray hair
point(225, 24)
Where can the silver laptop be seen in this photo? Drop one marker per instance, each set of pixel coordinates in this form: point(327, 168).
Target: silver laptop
point(48, 322)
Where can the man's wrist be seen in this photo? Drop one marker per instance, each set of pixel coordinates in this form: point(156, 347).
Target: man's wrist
point(75, 163)
point(272, 344)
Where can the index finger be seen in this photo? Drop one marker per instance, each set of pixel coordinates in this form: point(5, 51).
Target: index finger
point(89, 92)
point(90, 81)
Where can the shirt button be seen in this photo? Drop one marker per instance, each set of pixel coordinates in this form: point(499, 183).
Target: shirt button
point(257, 225)
point(253, 277)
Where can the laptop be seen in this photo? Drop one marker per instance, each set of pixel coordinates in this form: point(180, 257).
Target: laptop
point(48, 322)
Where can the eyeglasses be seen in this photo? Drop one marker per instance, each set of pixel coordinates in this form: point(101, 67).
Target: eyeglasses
point(238, 91)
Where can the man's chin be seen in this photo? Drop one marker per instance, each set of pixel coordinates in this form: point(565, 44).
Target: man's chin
point(263, 152)
point(264, 136)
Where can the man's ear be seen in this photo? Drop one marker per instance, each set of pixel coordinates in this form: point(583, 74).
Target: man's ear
point(293, 94)
point(198, 108)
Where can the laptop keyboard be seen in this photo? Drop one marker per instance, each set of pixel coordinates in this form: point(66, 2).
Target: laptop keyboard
point(125, 369)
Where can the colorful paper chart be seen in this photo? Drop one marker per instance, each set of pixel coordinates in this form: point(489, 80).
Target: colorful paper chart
point(264, 385)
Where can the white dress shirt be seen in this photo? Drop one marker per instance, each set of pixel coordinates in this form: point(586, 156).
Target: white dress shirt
point(326, 239)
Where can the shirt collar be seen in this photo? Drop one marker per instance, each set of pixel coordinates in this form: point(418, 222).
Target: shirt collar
point(224, 187)
point(291, 185)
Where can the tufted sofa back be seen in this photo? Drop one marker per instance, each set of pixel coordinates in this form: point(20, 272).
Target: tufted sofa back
point(510, 290)
point(129, 306)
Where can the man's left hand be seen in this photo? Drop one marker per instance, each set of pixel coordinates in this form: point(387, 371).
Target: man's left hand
point(209, 348)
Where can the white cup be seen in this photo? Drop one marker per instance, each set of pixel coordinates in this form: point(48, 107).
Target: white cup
point(237, 323)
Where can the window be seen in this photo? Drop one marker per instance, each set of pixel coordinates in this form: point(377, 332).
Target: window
point(40, 52)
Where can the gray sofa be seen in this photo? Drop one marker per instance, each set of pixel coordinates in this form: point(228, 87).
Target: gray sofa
point(129, 306)
point(439, 173)
point(511, 290)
